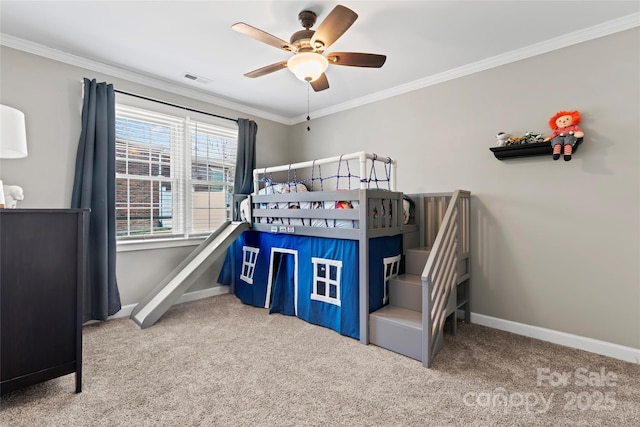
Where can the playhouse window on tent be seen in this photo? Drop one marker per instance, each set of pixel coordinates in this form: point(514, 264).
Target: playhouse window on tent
point(326, 280)
point(391, 266)
point(249, 258)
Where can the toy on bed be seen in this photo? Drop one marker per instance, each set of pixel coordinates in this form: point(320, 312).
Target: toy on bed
point(283, 188)
point(341, 204)
point(566, 133)
point(327, 184)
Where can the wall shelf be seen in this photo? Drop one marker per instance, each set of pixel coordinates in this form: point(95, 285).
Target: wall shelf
point(527, 150)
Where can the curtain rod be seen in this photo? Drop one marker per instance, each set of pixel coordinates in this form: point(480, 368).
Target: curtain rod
point(173, 105)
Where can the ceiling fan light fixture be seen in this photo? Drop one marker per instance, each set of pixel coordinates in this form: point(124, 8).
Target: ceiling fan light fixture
point(307, 66)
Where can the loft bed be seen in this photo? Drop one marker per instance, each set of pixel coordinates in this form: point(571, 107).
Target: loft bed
point(306, 199)
point(325, 238)
point(332, 219)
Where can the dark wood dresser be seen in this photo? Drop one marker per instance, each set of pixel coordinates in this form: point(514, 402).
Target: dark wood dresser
point(42, 274)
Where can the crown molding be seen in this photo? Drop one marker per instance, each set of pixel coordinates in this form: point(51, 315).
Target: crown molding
point(621, 24)
point(594, 32)
point(132, 76)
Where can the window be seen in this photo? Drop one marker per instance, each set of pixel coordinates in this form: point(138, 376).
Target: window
point(391, 266)
point(174, 174)
point(326, 280)
point(249, 258)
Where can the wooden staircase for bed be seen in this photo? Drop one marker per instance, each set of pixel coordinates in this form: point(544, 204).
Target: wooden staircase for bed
point(435, 285)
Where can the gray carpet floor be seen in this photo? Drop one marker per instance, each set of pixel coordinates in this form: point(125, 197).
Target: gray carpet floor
point(217, 362)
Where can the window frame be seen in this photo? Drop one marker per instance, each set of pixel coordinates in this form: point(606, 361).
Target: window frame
point(327, 280)
point(249, 261)
point(390, 270)
point(184, 233)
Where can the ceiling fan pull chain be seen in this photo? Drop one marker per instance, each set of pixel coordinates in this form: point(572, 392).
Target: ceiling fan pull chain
point(308, 112)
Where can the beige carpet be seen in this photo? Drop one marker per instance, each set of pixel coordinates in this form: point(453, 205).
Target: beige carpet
point(216, 362)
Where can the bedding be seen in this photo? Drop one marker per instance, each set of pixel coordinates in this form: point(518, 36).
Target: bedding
point(284, 188)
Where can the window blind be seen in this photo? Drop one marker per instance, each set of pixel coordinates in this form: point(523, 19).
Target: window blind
point(174, 175)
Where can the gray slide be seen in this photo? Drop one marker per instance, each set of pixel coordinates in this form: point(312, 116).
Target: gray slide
point(163, 296)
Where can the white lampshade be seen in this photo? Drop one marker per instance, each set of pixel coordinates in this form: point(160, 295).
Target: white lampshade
point(307, 66)
point(13, 134)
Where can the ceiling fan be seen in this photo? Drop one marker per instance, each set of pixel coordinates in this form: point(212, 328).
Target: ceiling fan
point(308, 63)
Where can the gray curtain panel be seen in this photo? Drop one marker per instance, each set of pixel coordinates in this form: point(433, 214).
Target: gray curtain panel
point(246, 156)
point(94, 188)
point(245, 163)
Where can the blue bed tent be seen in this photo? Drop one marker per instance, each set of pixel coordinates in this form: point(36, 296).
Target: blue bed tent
point(313, 278)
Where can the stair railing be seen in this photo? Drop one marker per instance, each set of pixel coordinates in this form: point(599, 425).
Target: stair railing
point(440, 275)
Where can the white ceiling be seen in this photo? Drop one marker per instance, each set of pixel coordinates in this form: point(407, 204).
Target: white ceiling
point(425, 42)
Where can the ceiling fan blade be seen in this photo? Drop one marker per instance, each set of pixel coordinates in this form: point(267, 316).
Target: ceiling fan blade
point(266, 70)
point(334, 25)
point(355, 59)
point(261, 36)
point(321, 83)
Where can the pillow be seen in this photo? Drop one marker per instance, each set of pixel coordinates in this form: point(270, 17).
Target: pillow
point(405, 211)
point(283, 188)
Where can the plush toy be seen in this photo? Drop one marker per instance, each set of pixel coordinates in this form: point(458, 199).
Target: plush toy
point(566, 133)
point(12, 194)
point(501, 139)
point(527, 138)
point(532, 138)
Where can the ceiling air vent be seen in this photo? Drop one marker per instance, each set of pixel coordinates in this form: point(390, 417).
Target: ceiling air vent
point(193, 77)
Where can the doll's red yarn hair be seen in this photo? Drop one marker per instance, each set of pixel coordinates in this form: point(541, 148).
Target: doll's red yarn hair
point(575, 118)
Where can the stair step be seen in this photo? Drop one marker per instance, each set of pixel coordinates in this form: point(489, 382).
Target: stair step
point(397, 329)
point(416, 259)
point(405, 291)
point(463, 277)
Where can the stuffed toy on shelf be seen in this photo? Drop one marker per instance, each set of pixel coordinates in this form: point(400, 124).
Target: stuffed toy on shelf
point(527, 138)
point(501, 139)
point(566, 133)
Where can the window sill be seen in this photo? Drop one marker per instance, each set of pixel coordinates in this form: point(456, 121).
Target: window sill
point(144, 245)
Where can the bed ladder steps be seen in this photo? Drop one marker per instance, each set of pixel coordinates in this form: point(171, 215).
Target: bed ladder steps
point(398, 326)
point(397, 329)
point(405, 291)
point(416, 259)
point(426, 300)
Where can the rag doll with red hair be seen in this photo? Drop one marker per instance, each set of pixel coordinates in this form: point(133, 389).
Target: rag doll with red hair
point(566, 133)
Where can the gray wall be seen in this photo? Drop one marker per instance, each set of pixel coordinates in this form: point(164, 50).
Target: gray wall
point(50, 94)
point(555, 244)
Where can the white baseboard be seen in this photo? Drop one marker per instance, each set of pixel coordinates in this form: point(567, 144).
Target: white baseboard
point(189, 296)
point(604, 348)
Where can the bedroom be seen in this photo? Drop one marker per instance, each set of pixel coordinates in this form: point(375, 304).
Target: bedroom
point(571, 277)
